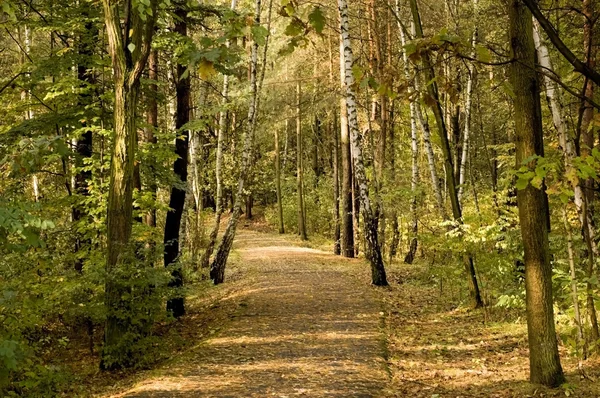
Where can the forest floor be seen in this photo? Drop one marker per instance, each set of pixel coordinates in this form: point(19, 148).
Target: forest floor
point(292, 320)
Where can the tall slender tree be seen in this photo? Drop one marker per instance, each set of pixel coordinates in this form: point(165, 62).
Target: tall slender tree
point(434, 101)
point(180, 167)
point(372, 249)
point(347, 235)
point(217, 268)
point(299, 165)
point(219, 167)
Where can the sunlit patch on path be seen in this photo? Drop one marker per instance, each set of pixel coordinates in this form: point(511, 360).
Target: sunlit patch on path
point(306, 327)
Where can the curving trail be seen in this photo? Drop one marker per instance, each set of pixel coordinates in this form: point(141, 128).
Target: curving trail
point(304, 326)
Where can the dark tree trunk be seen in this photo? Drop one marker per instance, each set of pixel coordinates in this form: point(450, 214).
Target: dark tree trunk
point(456, 141)
point(395, 237)
point(316, 164)
point(173, 222)
point(278, 183)
point(83, 146)
point(412, 250)
point(152, 120)
point(356, 214)
point(249, 205)
point(544, 361)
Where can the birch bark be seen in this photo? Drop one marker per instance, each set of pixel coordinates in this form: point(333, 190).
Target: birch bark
point(372, 249)
point(217, 268)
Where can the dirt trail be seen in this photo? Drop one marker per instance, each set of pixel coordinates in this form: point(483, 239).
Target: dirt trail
point(304, 326)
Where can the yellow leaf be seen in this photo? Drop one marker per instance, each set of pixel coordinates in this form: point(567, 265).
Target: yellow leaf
point(206, 69)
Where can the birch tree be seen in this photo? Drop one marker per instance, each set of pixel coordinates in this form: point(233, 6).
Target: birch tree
point(217, 268)
point(580, 200)
point(219, 167)
point(372, 249)
point(434, 100)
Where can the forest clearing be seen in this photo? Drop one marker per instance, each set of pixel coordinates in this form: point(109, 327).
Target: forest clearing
point(393, 198)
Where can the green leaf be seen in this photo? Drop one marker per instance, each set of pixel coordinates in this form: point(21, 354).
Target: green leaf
point(410, 48)
point(357, 72)
point(260, 34)
point(131, 47)
point(508, 89)
point(483, 54)
point(294, 28)
point(317, 19)
point(522, 183)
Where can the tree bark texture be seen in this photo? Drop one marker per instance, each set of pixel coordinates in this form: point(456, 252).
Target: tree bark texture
point(347, 234)
point(173, 222)
point(299, 165)
point(217, 268)
point(127, 70)
point(544, 360)
point(372, 249)
point(434, 100)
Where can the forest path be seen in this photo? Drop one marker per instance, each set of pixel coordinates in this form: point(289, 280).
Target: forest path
point(303, 325)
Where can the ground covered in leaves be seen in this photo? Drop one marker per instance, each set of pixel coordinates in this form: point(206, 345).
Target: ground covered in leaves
point(294, 320)
point(440, 350)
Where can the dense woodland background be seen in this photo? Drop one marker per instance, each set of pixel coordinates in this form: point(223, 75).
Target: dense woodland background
point(459, 134)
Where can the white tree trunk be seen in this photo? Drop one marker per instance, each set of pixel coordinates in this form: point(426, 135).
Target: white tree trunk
point(565, 140)
point(204, 261)
point(373, 251)
point(568, 147)
point(466, 136)
point(414, 149)
point(217, 271)
point(418, 114)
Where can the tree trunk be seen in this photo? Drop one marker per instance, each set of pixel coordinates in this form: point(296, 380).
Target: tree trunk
point(544, 360)
point(249, 205)
point(152, 121)
point(217, 268)
point(198, 162)
point(337, 248)
point(467, 131)
point(347, 235)
point(587, 136)
point(83, 145)
point(574, 291)
point(372, 249)
point(395, 238)
point(173, 222)
point(127, 70)
point(435, 182)
point(412, 250)
point(278, 183)
point(432, 93)
point(212, 239)
point(580, 200)
point(299, 171)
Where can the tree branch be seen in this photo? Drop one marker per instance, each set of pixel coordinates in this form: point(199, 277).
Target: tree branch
point(552, 34)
